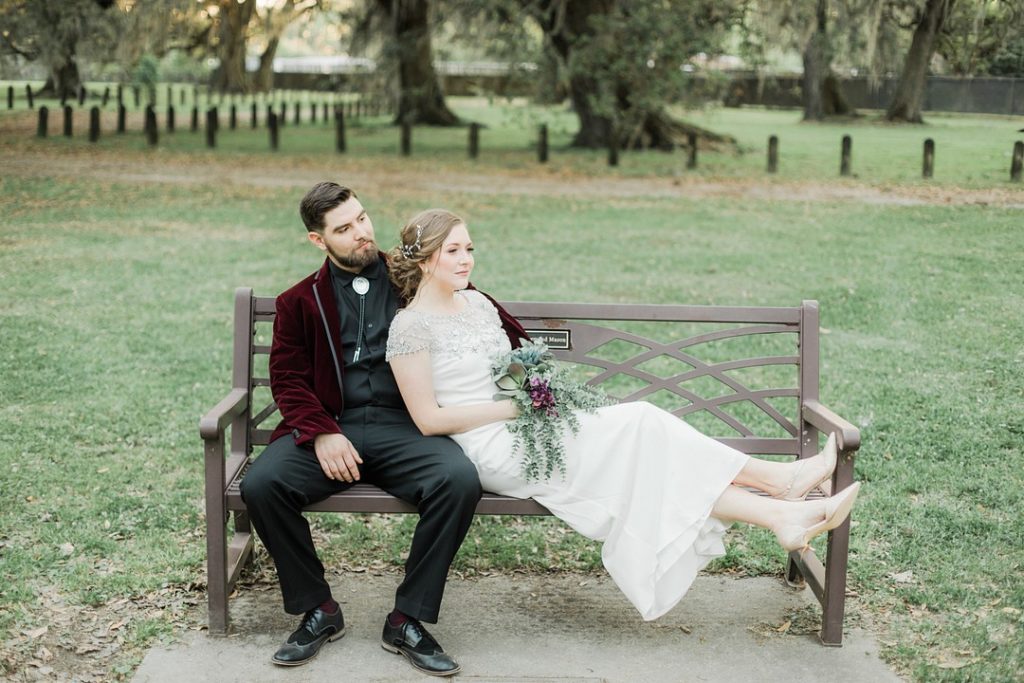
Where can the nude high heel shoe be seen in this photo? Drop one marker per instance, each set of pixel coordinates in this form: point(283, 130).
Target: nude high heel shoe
point(837, 509)
point(831, 454)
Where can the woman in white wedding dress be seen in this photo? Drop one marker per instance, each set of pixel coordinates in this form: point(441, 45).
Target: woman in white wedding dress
point(657, 492)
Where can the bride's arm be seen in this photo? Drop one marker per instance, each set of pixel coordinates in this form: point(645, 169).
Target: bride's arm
point(416, 382)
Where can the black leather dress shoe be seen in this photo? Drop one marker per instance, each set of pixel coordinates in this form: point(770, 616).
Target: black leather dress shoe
point(419, 647)
point(317, 628)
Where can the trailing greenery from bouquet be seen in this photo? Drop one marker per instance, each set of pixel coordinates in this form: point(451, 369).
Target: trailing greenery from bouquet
point(548, 399)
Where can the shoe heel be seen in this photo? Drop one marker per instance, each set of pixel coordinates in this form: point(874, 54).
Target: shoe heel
point(336, 636)
point(390, 648)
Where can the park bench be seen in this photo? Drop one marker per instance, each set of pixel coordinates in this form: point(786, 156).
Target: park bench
point(754, 370)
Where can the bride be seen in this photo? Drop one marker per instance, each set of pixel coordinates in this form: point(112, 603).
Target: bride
point(657, 492)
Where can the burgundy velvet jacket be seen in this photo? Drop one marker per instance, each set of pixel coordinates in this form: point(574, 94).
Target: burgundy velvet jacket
point(306, 368)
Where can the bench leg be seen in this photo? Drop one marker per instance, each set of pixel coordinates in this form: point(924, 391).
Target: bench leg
point(216, 540)
point(794, 578)
point(834, 604)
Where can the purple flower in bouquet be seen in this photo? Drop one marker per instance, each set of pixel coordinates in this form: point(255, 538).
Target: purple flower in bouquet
point(542, 397)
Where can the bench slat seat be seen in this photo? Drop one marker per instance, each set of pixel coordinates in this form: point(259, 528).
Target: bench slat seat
point(611, 343)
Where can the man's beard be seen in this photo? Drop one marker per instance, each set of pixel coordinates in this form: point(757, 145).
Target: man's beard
point(358, 259)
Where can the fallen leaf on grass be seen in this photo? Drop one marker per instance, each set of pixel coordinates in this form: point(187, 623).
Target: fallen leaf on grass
point(784, 626)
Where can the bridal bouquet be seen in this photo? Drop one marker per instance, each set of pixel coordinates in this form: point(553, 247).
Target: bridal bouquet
point(547, 399)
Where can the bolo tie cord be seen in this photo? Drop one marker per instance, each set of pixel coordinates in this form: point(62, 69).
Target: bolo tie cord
point(359, 340)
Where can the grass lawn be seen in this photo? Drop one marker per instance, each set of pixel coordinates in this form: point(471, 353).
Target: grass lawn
point(115, 312)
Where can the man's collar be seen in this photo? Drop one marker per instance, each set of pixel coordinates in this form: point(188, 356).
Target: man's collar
point(344, 277)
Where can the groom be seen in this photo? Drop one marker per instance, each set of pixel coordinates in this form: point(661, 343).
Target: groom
point(343, 421)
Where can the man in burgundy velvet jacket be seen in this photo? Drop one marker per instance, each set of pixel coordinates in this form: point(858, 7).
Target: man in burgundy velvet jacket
point(343, 421)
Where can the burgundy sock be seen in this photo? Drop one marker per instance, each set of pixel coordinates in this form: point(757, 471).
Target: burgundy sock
point(397, 618)
point(329, 606)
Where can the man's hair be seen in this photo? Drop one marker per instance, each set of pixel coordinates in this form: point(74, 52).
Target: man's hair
point(321, 199)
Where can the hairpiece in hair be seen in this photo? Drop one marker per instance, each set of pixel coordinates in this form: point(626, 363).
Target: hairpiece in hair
point(410, 249)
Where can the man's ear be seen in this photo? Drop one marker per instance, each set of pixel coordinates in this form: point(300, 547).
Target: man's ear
point(317, 239)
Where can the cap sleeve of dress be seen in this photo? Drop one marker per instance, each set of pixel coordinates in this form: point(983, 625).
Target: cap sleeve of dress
point(408, 334)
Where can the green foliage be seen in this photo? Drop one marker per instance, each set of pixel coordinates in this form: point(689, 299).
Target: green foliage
point(146, 74)
point(635, 55)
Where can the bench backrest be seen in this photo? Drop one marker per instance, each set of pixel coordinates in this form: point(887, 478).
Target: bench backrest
point(740, 374)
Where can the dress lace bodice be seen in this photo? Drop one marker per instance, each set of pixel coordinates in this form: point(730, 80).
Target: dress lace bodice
point(462, 348)
point(473, 330)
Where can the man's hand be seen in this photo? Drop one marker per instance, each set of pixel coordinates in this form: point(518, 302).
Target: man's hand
point(337, 457)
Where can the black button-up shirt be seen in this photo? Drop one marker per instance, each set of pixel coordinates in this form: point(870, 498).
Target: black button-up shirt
point(367, 381)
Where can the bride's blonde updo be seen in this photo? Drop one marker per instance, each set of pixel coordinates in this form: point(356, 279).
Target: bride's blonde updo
point(422, 236)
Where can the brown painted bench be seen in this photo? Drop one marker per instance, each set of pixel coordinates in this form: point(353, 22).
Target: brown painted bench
point(750, 371)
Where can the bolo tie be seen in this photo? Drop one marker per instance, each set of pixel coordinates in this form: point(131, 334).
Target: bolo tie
point(361, 286)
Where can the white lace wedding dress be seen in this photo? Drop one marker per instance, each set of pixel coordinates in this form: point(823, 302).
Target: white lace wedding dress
point(637, 477)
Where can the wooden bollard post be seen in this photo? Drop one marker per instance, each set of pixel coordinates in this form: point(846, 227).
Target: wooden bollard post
point(211, 127)
point(613, 149)
point(106, 96)
point(1017, 165)
point(773, 154)
point(28, 96)
point(542, 144)
point(233, 117)
point(928, 163)
point(474, 140)
point(135, 95)
point(406, 138)
point(325, 112)
point(10, 97)
point(312, 112)
point(152, 134)
point(298, 113)
point(272, 127)
point(844, 161)
point(120, 94)
point(282, 120)
point(44, 122)
point(691, 157)
point(339, 130)
point(253, 120)
point(170, 95)
point(170, 118)
point(194, 123)
point(122, 114)
point(94, 124)
point(81, 95)
point(68, 121)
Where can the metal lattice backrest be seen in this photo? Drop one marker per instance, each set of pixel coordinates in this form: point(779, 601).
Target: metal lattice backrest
point(734, 373)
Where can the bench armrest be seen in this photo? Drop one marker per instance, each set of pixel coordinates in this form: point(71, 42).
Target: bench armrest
point(214, 422)
point(847, 436)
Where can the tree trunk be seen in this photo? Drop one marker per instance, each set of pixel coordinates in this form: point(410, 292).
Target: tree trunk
point(234, 23)
point(420, 98)
point(821, 94)
point(816, 65)
point(63, 81)
point(263, 80)
point(909, 98)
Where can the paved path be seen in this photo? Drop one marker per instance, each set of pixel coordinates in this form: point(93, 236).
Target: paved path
point(539, 629)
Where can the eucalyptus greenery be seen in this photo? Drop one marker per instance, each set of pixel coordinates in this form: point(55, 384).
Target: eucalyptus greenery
point(548, 400)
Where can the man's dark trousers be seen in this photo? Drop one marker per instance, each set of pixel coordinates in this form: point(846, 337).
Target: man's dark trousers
point(431, 472)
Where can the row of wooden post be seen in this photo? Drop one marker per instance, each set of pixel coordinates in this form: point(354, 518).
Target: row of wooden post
point(375, 106)
point(275, 121)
